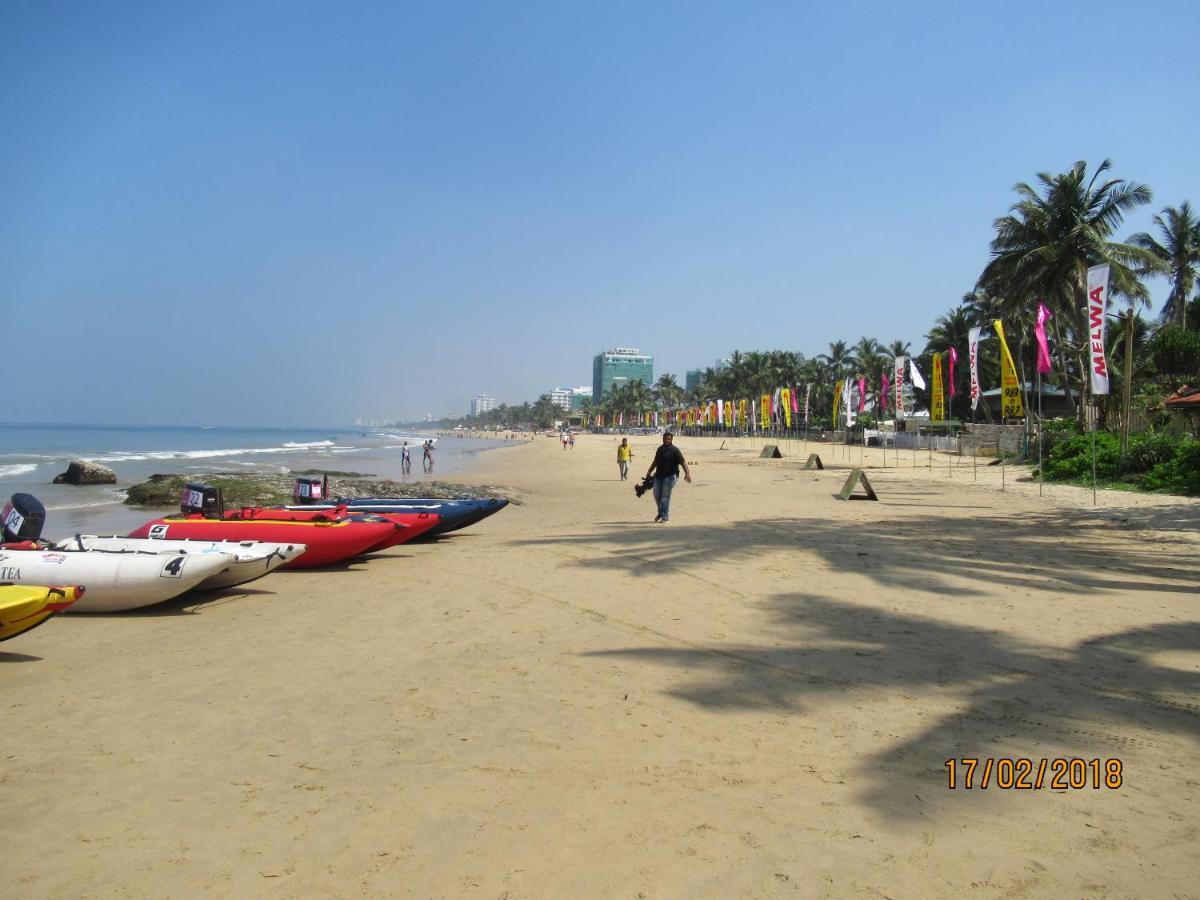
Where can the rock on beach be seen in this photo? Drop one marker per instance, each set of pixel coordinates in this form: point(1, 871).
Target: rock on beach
point(81, 471)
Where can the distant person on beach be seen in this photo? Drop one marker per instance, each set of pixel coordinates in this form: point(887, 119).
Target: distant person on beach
point(405, 459)
point(563, 435)
point(668, 460)
point(427, 457)
point(571, 439)
point(624, 455)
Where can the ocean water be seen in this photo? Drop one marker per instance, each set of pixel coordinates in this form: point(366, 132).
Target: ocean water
point(31, 455)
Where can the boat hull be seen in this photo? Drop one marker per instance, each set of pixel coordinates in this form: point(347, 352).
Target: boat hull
point(327, 542)
point(114, 581)
point(23, 607)
point(245, 560)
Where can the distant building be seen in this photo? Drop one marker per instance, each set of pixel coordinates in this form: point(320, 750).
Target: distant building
point(482, 404)
point(561, 397)
point(579, 396)
point(692, 379)
point(619, 366)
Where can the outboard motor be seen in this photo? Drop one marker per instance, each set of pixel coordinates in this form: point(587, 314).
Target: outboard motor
point(22, 519)
point(310, 489)
point(202, 498)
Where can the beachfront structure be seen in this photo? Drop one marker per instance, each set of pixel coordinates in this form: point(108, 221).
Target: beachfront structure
point(619, 366)
point(561, 397)
point(482, 404)
point(579, 395)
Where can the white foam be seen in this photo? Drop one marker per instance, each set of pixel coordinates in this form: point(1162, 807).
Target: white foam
point(136, 455)
point(20, 469)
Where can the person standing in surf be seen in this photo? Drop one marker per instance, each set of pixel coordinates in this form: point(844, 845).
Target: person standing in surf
point(668, 460)
point(427, 458)
point(405, 459)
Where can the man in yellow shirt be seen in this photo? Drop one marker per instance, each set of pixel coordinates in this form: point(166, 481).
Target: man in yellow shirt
point(624, 454)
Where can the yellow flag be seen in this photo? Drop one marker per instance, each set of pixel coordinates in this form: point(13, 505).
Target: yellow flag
point(837, 400)
point(742, 413)
point(765, 406)
point(1010, 389)
point(939, 396)
point(785, 399)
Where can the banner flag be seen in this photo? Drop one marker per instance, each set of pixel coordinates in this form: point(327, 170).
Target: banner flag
point(1039, 333)
point(898, 371)
point(795, 405)
point(917, 380)
point(837, 401)
point(973, 359)
point(1011, 403)
point(721, 412)
point(765, 419)
point(807, 394)
point(846, 404)
point(786, 402)
point(862, 394)
point(753, 415)
point(953, 354)
point(884, 387)
point(729, 413)
point(938, 404)
point(742, 413)
point(1097, 306)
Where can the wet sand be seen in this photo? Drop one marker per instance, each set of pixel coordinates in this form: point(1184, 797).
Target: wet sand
point(567, 700)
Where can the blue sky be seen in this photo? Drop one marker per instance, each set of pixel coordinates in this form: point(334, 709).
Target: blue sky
point(290, 213)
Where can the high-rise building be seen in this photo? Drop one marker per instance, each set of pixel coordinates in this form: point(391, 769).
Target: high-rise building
point(482, 404)
point(619, 366)
point(692, 379)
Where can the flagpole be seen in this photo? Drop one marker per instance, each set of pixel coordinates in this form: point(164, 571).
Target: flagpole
point(1041, 476)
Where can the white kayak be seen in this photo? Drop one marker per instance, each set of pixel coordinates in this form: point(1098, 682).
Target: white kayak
point(247, 560)
point(114, 581)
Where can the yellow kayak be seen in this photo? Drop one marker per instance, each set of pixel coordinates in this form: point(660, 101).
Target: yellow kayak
point(25, 606)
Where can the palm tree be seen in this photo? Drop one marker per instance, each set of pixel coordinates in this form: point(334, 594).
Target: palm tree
point(668, 391)
point(1179, 253)
point(899, 348)
point(1045, 245)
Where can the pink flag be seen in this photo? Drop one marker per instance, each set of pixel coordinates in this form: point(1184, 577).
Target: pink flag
point(862, 394)
point(953, 360)
point(884, 384)
point(1039, 332)
point(795, 403)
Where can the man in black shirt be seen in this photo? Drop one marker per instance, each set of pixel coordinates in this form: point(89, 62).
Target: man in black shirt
point(667, 461)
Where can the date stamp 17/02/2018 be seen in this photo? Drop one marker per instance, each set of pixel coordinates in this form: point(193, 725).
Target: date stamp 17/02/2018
point(1023, 774)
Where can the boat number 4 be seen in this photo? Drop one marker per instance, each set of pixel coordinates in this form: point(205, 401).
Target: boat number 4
point(158, 532)
point(173, 569)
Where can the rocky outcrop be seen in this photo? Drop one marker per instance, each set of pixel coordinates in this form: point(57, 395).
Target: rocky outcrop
point(80, 471)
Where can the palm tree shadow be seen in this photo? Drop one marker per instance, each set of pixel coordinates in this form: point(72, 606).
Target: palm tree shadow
point(921, 552)
point(1013, 698)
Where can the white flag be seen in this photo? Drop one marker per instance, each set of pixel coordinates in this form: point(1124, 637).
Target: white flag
point(917, 380)
point(1097, 307)
point(721, 411)
point(847, 395)
point(973, 350)
point(898, 385)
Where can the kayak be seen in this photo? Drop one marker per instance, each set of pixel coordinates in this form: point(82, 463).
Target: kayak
point(114, 581)
point(410, 525)
point(328, 542)
point(244, 560)
point(24, 607)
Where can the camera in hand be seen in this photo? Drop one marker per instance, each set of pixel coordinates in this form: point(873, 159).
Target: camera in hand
point(644, 485)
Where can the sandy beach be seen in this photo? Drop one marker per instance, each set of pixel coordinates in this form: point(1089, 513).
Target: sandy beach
point(757, 699)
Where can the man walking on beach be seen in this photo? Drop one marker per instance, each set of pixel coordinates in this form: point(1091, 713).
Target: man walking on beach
point(405, 459)
point(427, 458)
point(624, 454)
point(668, 459)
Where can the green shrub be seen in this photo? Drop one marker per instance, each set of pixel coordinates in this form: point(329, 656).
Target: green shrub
point(1179, 474)
point(1073, 457)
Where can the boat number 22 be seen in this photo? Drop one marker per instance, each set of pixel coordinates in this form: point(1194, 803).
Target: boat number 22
point(173, 569)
